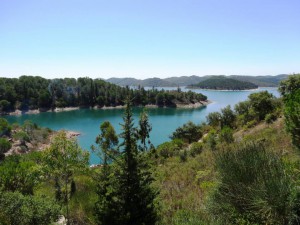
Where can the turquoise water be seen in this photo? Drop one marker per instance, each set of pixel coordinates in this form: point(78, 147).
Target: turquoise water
point(164, 120)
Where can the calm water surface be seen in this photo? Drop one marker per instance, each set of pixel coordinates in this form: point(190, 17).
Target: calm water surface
point(164, 120)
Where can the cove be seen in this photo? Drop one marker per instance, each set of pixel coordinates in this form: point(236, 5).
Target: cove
point(163, 120)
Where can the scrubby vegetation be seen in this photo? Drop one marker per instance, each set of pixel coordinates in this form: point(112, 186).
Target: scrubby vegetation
point(28, 92)
point(241, 167)
point(15, 138)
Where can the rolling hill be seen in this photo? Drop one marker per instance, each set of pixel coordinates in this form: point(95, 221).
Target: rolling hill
point(223, 83)
point(261, 81)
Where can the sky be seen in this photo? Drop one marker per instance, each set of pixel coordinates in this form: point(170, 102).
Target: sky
point(148, 38)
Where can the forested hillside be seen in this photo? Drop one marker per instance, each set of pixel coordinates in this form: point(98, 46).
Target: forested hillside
point(223, 83)
point(28, 92)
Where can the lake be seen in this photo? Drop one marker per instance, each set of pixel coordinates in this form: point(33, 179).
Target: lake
point(164, 120)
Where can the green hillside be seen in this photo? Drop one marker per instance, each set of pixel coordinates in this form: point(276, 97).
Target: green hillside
point(223, 83)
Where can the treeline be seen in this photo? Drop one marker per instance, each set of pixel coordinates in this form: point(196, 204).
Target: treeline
point(29, 92)
point(224, 83)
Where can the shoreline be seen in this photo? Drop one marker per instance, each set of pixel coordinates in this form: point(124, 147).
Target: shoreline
point(16, 145)
point(207, 89)
point(67, 109)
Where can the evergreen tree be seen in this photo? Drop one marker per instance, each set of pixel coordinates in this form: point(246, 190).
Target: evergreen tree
point(105, 206)
point(129, 196)
point(144, 130)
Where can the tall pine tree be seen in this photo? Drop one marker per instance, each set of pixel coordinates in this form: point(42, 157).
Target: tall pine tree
point(129, 197)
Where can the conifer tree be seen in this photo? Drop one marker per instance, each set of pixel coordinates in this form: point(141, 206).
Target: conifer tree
point(129, 196)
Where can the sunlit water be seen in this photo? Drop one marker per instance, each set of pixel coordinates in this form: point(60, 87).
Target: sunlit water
point(164, 120)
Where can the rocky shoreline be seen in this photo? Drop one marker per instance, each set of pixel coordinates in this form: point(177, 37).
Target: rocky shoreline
point(37, 111)
point(19, 147)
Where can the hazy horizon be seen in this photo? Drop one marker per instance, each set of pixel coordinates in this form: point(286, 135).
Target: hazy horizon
point(145, 39)
point(144, 78)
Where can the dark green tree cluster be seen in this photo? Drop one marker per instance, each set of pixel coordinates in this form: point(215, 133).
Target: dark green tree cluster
point(29, 92)
point(189, 132)
point(290, 91)
point(19, 175)
point(258, 107)
point(17, 209)
point(224, 83)
point(125, 193)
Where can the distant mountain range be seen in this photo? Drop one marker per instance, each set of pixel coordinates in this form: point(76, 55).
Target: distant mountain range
point(261, 81)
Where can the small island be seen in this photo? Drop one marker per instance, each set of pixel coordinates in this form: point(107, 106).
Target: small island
point(223, 83)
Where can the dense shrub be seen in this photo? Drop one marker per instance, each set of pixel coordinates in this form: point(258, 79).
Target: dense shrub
point(254, 188)
point(196, 148)
point(226, 135)
point(189, 132)
point(16, 209)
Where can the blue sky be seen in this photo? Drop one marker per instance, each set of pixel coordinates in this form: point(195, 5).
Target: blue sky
point(151, 38)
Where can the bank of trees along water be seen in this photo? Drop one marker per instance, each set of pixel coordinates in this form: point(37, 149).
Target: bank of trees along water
point(238, 168)
point(28, 92)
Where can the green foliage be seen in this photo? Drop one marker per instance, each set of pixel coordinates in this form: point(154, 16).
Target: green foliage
point(226, 135)
point(211, 139)
point(228, 117)
point(128, 197)
point(18, 174)
point(21, 136)
point(189, 132)
point(196, 148)
point(214, 119)
point(144, 130)
point(169, 149)
point(16, 209)
point(5, 145)
point(107, 141)
point(4, 105)
point(62, 160)
point(270, 118)
point(224, 83)
point(5, 128)
point(289, 89)
point(183, 155)
point(262, 103)
point(254, 187)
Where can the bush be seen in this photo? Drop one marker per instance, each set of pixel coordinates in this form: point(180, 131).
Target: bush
point(21, 136)
point(5, 145)
point(27, 210)
point(226, 135)
point(254, 188)
point(196, 149)
point(270, 118)
point(171, 148)
point(211, 139)
point(5, 129)
point(189, 132)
